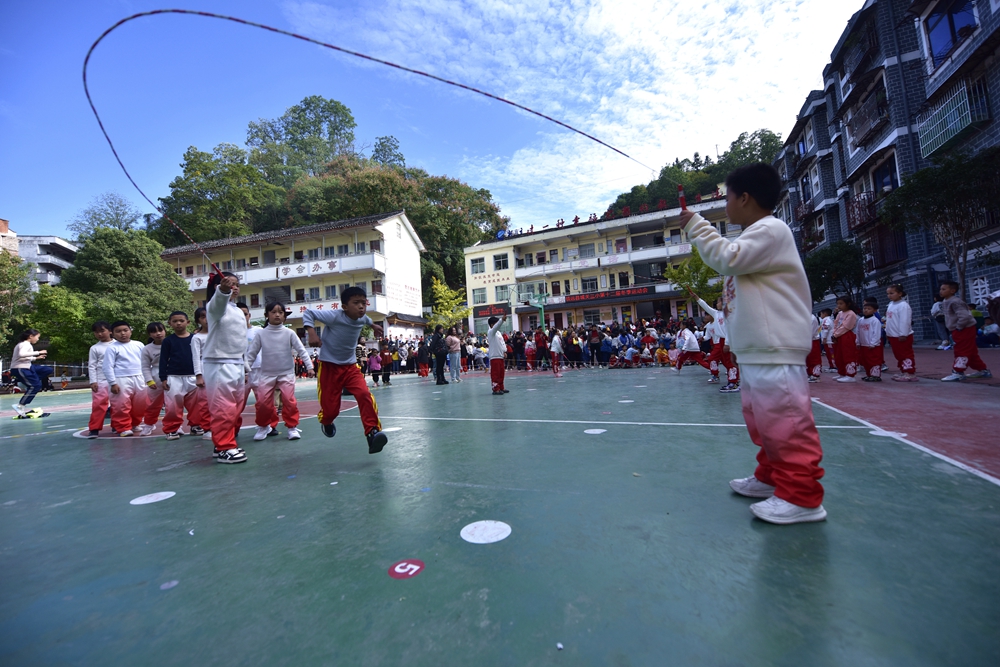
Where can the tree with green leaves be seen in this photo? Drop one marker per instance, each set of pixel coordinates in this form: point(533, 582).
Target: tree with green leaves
point(957, 200)
point(218, 195)
point(15, 290)
point(694, 275)
point(302, 141)
point(121, 277)
point(837, 268)
point(386, 152)
point(449, 307)
point(109, 209)
point(61, 315)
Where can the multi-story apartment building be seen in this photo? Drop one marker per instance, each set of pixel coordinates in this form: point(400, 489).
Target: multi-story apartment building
point(8, 237)
point(51, 255)
point(907, 82)
point(308, 267)
point(591, 272)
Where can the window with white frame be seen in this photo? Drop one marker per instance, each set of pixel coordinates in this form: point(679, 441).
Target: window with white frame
point(478, 265)
point(313, 293)
point(343, 249)
point(810, 136)
point(363, 285)
point(500, 263)
point(589, 284)
point(816, 184)
point(502, 292)
point(331, 292)
point(819, 229)
point(478, 296)
point(314, 253)
point(947, 25)
point(587, 250)
point(359, 247)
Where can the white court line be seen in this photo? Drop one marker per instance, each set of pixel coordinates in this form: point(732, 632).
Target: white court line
point(947, 459)
point(572, 421)
point(28, 435)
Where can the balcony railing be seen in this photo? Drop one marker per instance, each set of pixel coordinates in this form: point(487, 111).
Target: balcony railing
point(861, 210)
point(883, 246)
point(804, 208)
point(870, 116)
point(861, 55)
point(962, 107)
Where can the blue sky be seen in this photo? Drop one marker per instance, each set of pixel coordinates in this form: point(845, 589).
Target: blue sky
point(655, 79)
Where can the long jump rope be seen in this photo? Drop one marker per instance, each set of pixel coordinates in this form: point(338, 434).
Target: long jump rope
point(156, 12)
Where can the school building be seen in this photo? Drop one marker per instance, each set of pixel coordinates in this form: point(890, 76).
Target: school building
point(590, 272)
point(308, 267)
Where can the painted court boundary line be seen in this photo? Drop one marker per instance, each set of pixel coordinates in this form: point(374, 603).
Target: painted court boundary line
point(895, 436)
point(573, 421)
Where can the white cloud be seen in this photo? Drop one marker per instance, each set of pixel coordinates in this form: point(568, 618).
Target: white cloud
point(656, 79)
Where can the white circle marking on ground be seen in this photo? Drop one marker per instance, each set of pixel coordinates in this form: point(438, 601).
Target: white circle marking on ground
point(152, 498)
point(531, 390)
point(595, 431)
point(435, 392)
point(640, 386)
point(626, 401)
point(485, 532)
point(168, 585)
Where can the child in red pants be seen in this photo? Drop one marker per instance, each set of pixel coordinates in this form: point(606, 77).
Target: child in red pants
point(98, 384)
point(870, 351)
point(338, 368)
point(845, 343)
point(899, 331)
point(768, 308)
point(962, 326)
point(123, 371)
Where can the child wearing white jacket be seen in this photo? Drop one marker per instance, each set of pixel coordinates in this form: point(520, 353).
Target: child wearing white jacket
point(899, 331)
point(770, 327)
point(276, 347)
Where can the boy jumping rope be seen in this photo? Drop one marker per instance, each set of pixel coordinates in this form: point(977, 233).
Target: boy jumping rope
point(769, 325)
point(338, 367)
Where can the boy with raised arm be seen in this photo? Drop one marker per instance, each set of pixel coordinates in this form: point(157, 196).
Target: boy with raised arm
point(769, 324)
point(338, 367)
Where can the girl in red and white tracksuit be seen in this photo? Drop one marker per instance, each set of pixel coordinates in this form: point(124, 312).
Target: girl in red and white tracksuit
point(725, 357)
point(899, 331)
point(556, 348)
point(687, 343)
point(871, 354)
point(845, 343)
point(277, 347)
point(224, 367)
point(814, 360)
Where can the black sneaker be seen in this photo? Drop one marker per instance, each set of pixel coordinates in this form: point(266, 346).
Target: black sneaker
point(506, 391)
point(329, 430)
point(443, 382)
point(273, 432)
point(235, 455)
point(376, 441)
point(197, 430)
point(498, 393)
point(92, 434)
point(173, 436)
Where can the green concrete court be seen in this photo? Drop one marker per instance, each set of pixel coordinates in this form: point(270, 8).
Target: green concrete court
point(627, 547)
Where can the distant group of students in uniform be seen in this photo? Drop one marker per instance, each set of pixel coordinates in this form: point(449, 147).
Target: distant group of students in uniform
point(209, 374)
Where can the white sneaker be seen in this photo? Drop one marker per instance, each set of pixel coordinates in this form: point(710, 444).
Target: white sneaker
point(261, 433)
point(146, 429)
point(846, 378)
point(675, 370)
point(751, 487)
point(942, 346)
point(294, 434)
point(813, 379)
point(977, 374)
point(126, 434)
point(19, 409)
point(207, 435)
point(954, 377)
point(776, 510)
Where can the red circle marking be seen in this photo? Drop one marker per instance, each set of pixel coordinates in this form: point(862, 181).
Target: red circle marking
point(406, 569)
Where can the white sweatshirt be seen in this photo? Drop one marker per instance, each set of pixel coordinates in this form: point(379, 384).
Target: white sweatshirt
point(227, 331)
point(95, 366)
point(718, 316)
point(273, 350)
point(251, 334)
point(24, 354)
point(556, 345)
point(150, 362)
point(122, 360)
point(494, 337)
point(197, 349)
point(869, 332)
point(826, 326)
point(768, 318)
point(687, 341)
point(898, 319)
point(817, 329)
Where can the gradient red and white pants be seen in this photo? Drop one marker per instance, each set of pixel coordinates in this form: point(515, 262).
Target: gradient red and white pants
point(830, 360)
point(902, 349)
point(871, 359)
point(779, 418)
point(966, 350)
point(496, 374)
point(266, 413)
point(814, 360)
point(98, 406)
point(845, 351)
point(225, 391)
point(332, 379)
point(183, 394)
point(129, 404)
point(154, 402)
point(711, 362)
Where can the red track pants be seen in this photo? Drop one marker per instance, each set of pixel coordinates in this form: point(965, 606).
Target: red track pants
point(129, 404)
point(871, 359)
point(332, 380)
point(98, 406)
point(966, 351)
point(902, 349)
point(266, 413)
point(154, 402)
point(711, 362)
point(845, 351)
point(779, 418)
point(814, 360)
point(496, 374)
point(685, 355)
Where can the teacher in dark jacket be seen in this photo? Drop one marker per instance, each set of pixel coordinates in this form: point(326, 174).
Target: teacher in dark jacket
point(440, 351)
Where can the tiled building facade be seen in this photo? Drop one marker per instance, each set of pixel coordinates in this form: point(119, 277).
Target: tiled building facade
point(907, 83)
